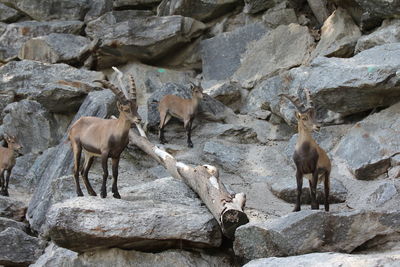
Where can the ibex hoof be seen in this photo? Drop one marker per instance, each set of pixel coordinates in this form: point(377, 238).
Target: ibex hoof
point(4, 193)
point(80, 194)
point(296, 209)
point(116, 195)
point(190, 145)
point(93, 193)
point(103, 195)
point(163, 142)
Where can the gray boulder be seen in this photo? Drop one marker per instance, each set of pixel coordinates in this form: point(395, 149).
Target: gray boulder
point(202, 10)
point(365, 81)
point(255, 6)
point(329, 259)
point(36, 129)
point(17, 34)
point(18, 248)
point(227, 157)
point(137, 222)
point(381, 8)
point(286, 188)
point(221, 54)
point(125, 37)
point(98, 8)
point(6, 223)
point(368, 147)
point(56, 48)
point(280, 15)
point(56, 256)
point(339, 36)
point(8, 14)
point(224, 91)
point(384, 192)
point(120, 4)
point(5, 99)
point(209, 107)
point(12, 209)
point(58, 161)
point(282, 48)
point(389, 32)
point(314, 231)
point(53, 10)
point(57, 87)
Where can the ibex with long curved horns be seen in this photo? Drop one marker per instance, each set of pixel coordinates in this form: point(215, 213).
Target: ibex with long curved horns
point(104, 138)
point(310, 159)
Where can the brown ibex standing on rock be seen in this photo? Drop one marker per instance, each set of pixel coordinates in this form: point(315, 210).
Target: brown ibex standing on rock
point(178, 107)
point(310, 159)
point(104, 138)
point(7, 161)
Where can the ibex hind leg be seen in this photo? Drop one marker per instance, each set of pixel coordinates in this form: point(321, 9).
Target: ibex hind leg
point(86, 168)
point(115, 163)
point(313, 191)
point(2, 184)
point(164, 119)
point(7, 181)
point(327, 189)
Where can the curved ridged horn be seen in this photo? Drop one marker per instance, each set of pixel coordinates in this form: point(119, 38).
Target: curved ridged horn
point(296, 102)
point(310, 104)
point(120, 95)
point(132, 88)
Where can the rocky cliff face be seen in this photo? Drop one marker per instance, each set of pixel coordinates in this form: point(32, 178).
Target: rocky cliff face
point(244, 54)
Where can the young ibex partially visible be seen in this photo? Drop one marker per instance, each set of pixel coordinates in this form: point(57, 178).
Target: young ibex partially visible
point(178, 107)
point(104, 138)
point(7, 161)
point(310, 159)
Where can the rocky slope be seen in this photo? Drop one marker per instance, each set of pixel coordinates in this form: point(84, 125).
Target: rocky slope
point(244, 54)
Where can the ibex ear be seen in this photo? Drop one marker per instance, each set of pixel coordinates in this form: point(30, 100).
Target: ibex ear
point(297, 115)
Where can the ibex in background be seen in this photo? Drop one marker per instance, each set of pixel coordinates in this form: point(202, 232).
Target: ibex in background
point(310, 159)
point(7, 161)
point(104, 138)
point(178, 107)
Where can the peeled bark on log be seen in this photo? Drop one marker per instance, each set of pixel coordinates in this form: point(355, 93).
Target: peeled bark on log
point(226, 208)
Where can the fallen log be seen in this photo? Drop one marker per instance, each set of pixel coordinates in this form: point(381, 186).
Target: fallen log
point(204, 180)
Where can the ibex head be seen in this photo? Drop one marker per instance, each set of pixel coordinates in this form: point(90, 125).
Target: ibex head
point(305, 114)
point(126, 101)
point(12, 143)
point(197, 91)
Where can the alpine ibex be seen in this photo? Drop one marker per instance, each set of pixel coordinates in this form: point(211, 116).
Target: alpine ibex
point(7, 161)
point(104, 138)
point(310, 159)
point(178, 107)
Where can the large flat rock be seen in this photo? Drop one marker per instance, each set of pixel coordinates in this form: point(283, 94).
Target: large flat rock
point(16, 34)
point(125, 37)
point(143, 220)
point(58, 87)
point(315, 231)
point(340, 85)
point(330, 259)
point(221, 54)
point(283, 48)
point(368, 147)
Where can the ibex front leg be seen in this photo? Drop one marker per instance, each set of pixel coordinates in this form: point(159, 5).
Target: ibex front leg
point(7, 181)
point(88, 163)
point(104, 158)
point(299, 179)
point(313, 191)
point(115, 162)
point(77, 149)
